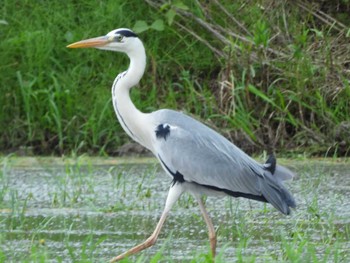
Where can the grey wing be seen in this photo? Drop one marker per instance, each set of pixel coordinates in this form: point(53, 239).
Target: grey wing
point(202, 156)
point(204, 160)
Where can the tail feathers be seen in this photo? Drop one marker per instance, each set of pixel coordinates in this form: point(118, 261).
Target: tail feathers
point(279, 172)
point(283, 174)
point(276, 194)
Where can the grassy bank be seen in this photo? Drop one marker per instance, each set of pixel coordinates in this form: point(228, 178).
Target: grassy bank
point(267, 75)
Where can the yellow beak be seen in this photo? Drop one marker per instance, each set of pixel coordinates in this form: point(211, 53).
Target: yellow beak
point(91, 42)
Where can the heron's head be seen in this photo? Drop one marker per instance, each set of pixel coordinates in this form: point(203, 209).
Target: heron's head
point(121, 40)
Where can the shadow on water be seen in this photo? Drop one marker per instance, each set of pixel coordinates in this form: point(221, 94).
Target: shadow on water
point(91, 210)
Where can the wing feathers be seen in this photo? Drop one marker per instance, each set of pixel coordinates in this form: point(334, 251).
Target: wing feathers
point(204, 157)
point(277, 195)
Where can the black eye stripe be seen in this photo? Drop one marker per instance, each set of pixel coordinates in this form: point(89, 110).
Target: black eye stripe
point(126, 33)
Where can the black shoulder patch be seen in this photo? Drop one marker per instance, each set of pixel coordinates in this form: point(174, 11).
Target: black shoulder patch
point(270, 164)
point(126, 33)
point(162, 131)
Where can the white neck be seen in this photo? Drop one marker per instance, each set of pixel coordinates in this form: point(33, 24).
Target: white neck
point(131, 119)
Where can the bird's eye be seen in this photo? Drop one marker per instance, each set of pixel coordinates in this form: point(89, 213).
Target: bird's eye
point(118, 38)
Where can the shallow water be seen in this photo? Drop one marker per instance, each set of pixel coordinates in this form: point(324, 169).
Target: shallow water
point(94, 210)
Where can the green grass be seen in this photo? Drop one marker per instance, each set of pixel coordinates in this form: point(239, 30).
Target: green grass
point(89, 210)
point(283, 83)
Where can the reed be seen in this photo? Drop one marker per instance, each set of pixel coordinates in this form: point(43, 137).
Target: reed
point(267, 75)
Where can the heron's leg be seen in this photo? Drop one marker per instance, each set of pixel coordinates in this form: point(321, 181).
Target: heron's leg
point(212, 234)
point(174, 193)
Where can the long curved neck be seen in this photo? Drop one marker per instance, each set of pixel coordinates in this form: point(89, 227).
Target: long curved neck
point(131, 119)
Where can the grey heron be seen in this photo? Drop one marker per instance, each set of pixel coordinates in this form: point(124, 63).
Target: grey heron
point(198, 159)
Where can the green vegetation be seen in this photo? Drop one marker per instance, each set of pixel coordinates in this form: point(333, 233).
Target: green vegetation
point(89, 210)
point(267, 74)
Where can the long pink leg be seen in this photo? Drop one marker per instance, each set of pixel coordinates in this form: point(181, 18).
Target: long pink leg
point(174, 194)
point(212, 234)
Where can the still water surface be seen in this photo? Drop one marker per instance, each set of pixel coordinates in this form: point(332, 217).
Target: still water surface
point(98, 209)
